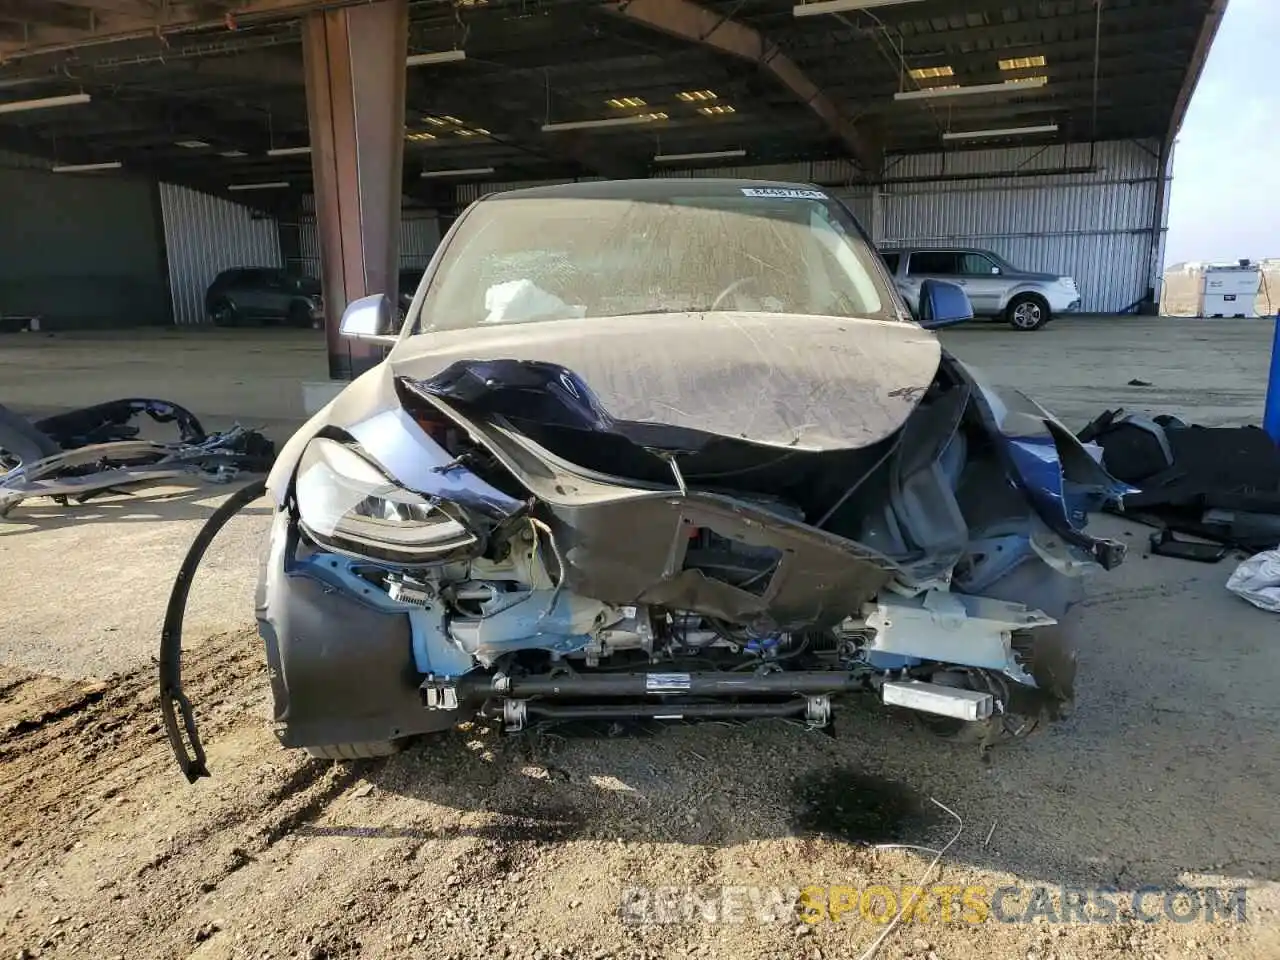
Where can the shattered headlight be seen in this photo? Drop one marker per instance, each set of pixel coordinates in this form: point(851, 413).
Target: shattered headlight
point(350, 505)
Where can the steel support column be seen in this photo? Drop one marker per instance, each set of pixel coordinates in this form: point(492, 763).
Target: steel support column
point(355, 74)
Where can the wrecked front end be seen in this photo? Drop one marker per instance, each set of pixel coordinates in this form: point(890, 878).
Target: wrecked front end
point(489, 539)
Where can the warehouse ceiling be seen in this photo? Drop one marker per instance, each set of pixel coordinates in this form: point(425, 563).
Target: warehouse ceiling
point(209, 93)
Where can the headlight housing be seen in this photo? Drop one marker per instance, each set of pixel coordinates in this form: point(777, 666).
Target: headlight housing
point(349, 505)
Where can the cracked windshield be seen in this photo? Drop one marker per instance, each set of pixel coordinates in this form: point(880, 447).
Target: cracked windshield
point(530, 259)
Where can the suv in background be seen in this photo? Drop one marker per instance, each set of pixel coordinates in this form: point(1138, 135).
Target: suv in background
point(1027, 301)
point(408, 286)
point(264, 295)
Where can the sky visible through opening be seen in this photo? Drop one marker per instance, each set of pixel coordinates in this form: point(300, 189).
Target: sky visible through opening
point(1225, 203)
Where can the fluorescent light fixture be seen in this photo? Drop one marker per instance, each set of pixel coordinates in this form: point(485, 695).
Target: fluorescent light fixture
point(420, 136)
point(608, 122)
point(708, 155)
point(443, 56)
point(1006, 87)
point(456, 173)
point(1001, 132)
point(1022, 63)
point(232, 154)
point(288, 151)
point(930, 73)
point(716, 109)
point(624, 103)
point(17, 106)
point(696, 96)
point(190, 144)
point(87, 167)
point(841, 6)
point(473, 132)
point(268, 185)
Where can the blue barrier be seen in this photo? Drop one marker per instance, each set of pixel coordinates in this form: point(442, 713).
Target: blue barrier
point(1271, 414)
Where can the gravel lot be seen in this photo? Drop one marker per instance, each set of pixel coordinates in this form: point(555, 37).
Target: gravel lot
point(480, 845)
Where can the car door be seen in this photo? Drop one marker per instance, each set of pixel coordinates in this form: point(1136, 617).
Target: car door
point(984, 281)
point(245, 291)
point(928, 265)
point(277, 293)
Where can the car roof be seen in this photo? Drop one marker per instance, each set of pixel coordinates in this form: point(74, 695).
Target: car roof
point(656, 189)
point(942, 248)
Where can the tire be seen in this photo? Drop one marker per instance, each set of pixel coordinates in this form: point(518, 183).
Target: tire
point(1052, 661)
point(300, 316)
point(1027, 312)
point(356, 751)
point(222, 313)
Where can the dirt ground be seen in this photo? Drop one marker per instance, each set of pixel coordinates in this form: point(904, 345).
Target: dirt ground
point(481, 845)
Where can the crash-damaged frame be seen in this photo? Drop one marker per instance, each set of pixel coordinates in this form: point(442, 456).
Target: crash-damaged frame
point(566, 530)
point(89, 452)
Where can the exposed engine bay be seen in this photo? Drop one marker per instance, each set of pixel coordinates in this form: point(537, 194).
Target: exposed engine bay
point(467, 550)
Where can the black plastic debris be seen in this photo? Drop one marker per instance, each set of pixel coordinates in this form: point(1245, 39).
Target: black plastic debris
point(1215, 483)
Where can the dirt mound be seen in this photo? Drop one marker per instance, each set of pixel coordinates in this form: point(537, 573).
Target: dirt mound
point(478, 845)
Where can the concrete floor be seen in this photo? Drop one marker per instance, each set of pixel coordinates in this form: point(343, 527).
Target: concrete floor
point(1167, 772)
point(1213, 370)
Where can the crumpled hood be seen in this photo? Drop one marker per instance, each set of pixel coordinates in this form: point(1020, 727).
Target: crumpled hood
point(800, 382)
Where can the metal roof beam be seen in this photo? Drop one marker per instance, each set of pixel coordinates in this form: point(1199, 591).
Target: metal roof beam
point(1208, 31)
point(134, 8)
point(1043, 32)
point(689, 21)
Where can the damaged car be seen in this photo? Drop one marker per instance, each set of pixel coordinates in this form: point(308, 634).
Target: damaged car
point(665, 450)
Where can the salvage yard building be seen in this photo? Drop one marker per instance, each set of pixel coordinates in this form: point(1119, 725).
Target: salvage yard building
point(148, 146)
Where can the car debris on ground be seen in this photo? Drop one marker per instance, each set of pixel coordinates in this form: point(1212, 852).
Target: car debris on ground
point(1219, 485)
point(94, 451)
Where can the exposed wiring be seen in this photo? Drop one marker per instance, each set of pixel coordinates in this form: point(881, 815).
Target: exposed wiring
point(872, 950)
point(539, 526)
point(844, 498)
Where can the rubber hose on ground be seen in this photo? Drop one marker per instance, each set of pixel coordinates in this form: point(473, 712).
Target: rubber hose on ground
point(172, 699)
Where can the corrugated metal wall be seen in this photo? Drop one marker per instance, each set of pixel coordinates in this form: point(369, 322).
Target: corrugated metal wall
point(205, 235)
point(1095, 223)
point(1095, 226)
point(80, 251)
point(419, 237)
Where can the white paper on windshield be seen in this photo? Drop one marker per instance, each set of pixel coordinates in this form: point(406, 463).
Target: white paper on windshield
point(522, 300)
point(785, 193)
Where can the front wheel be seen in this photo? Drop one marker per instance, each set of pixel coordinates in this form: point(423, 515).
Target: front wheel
point(223, 313)
point(300, 315)
point(1027, 312)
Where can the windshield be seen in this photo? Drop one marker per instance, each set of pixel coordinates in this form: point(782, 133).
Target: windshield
point(548, 258)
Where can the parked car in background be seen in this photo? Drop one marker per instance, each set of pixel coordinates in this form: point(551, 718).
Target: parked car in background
point(1026, 300)
point(246, 295)
point(409, 277)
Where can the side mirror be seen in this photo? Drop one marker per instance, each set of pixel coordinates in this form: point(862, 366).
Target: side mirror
point(995, 271)
point(943, 304)
point(369, 318)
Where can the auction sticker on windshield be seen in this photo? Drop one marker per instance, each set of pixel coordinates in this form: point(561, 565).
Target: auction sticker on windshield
point(790, 194)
